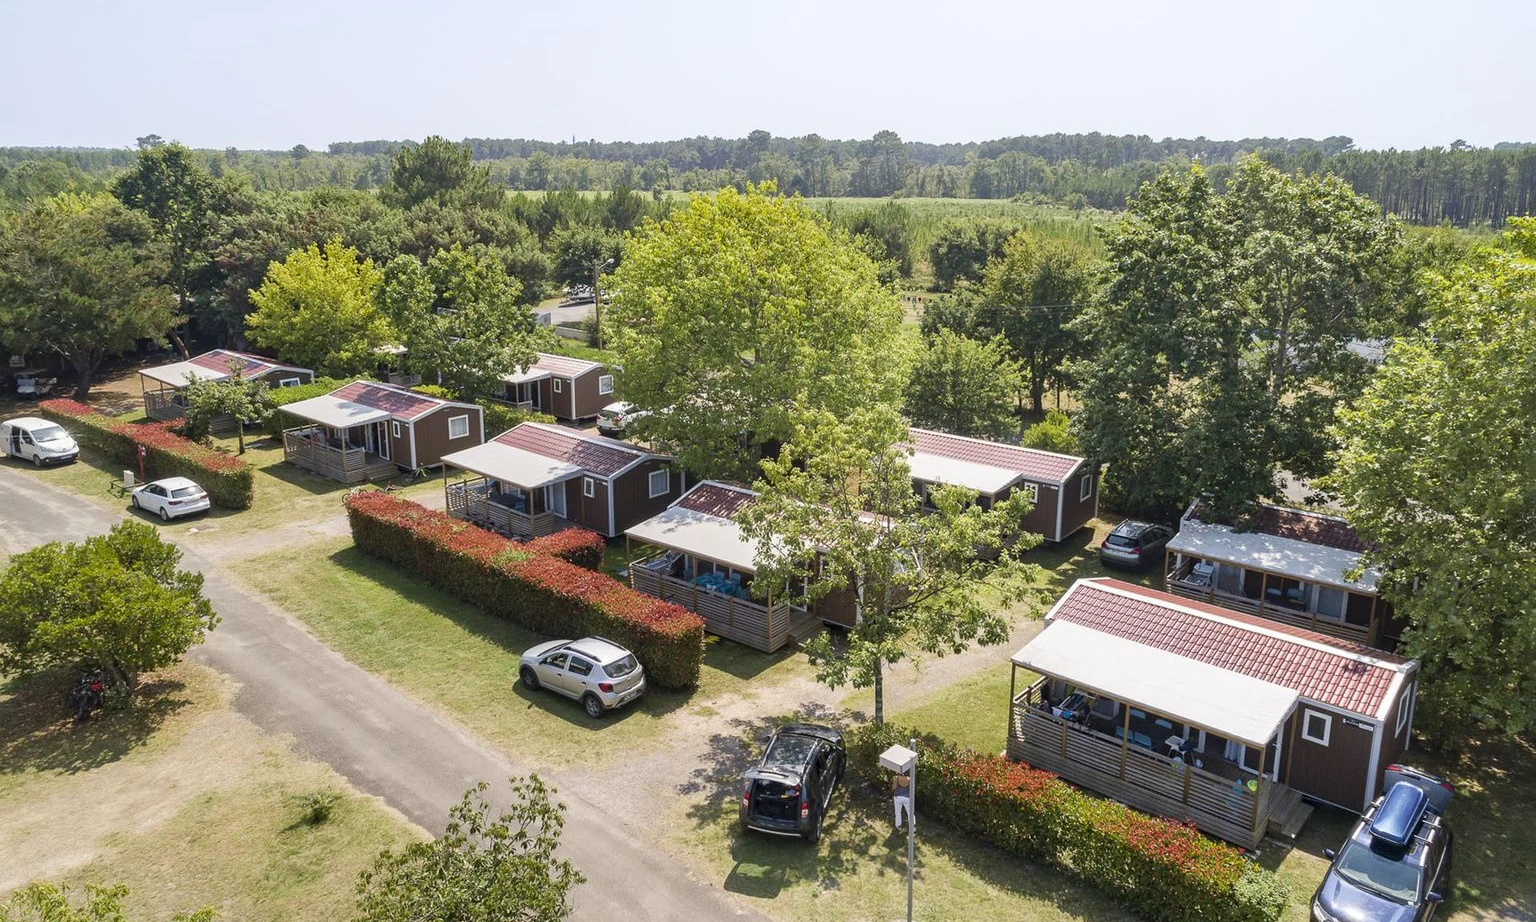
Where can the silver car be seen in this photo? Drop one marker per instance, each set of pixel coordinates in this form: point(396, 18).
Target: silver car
point(597, 672)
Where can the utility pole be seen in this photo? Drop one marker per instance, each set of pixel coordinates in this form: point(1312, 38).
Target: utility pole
point(597, 302)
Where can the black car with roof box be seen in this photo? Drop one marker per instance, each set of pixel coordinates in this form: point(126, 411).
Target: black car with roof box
point(788, 792)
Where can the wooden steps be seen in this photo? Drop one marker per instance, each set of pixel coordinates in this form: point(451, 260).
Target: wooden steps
point(1289, 816)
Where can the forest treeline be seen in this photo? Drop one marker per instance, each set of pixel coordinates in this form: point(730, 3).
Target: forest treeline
point(1462, 185)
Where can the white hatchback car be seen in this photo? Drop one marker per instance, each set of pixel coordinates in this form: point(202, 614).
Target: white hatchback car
point(597, 672)
point(171, 498)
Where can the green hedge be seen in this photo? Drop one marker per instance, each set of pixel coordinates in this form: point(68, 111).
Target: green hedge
point(544, 593)
point(227, 479)
point(1163, 870)
point(276, 422)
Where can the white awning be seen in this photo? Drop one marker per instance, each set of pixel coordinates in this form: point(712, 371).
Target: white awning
point(708, 536)
point(516, 466)
point(335, 412)
point(530, 373)
point(180, 374)
point(1226, 703)
point(983, 478)
point(1311, 563)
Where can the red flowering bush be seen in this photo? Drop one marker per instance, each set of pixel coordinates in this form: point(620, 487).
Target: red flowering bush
point(576, 545)
point(227, 479)
point(1163, 870)
point(528, 584)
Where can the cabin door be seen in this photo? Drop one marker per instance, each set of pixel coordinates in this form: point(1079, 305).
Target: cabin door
point(554, 498)
point(381, 437)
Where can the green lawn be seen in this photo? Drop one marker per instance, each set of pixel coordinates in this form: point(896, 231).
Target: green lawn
point(466, 662)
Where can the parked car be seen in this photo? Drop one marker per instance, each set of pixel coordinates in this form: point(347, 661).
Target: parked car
point(1396, 864)
point(170, 498)
point(612, 419)
point(597, 672)
point(1134, 544)
point(37, 440)
point(788, 792)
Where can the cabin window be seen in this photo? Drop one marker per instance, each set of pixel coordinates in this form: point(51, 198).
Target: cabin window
point(1404, 706)
point(928, 498)
point(394, 428)
point(659, 483)
point(1316, 726)
point(605, 384)
point(288, 382)
point(1086, 490)
point(1032, 490)
point(458, 427)
point(588, 486)
point(1331, 602)
point(557, 386)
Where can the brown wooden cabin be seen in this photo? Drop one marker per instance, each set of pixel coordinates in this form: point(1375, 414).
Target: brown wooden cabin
point(165, 386)
point(1195, 712)
point(568, 389)
point(367, 431)
point(534, 479)
point(1287, 565)
point(1063, 489)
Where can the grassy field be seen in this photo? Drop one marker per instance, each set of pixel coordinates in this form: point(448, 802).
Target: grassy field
point(181, 800)
point(465, 662)
point(931, 214)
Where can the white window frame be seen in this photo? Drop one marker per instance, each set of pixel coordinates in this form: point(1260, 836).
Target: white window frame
point(1306, 717)
point(452, 420)
point(1085, 491)
point(1033, 491)
point(666, 483)
point(1404, 706)
point(557, 385)
point(394, 428)
point(289, 382)
point(588, 487)
point(605, 384)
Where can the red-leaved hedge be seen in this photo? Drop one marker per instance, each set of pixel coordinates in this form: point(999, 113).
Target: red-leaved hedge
point(1163, 870)
point(577, 545)
point(227, 479)
point(546, 594)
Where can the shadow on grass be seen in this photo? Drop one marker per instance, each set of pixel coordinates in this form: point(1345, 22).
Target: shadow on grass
point(296, 476)
point(740, 660)
point(38, 731)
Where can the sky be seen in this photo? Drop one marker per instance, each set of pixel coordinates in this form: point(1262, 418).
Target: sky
point(273, 74)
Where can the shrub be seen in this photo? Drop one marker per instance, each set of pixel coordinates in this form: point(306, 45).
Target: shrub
point(317, 806)
point(546, 594)
point(276, 422)
point(1054, 433)
point(573, 545)
point(1163, 870)
point(227, 479)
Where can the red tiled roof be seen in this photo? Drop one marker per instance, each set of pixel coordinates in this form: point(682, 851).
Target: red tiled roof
point(1033, 464)
point(592, 453)
point(219, 360)
point(717, 499)
point(1316, 666)
point(393, 400)
point(563, 365)
point(1311, 527)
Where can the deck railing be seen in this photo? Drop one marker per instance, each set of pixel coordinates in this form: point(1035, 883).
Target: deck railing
point(746, 621)
point(1181, 583)
point(308, 449)
point(1139, 777)
point(473, 504)
point(162, 405)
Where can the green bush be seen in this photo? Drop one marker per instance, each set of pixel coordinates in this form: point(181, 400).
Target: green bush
point(1163, 870)
point(543, 593)
point(228, 480)
point(1054, 433)
point(277, 421)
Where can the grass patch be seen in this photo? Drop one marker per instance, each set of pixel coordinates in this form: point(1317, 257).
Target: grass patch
point(465, 662)
point(972, 712)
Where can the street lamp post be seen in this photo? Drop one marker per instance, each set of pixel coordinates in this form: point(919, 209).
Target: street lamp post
point(597, 302)
point(903, 761)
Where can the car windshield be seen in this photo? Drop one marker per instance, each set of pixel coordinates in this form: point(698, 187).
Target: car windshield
point(184, 492)
point(620, 668)
point(1385, 873)
point(789, 753)
point(49, 434)
point(1121, 541)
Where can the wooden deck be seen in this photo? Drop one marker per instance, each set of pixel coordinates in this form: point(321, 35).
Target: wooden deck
point(349, 465)
point(1139, 777)
point(162, 406)
point(473, 504)
point(745, 621)
point(1203, 592)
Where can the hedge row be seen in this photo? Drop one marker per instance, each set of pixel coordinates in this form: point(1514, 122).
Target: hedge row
point(544, 593)
point(573, 545)
point(276, 422)
point(227, 479)
point(1163, 870)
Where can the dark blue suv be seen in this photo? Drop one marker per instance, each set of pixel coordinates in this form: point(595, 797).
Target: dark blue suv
point(1396, 864)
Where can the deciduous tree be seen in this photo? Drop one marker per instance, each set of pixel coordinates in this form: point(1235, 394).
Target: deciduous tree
point(244, 399)
point(44, 902)
point(316, 309)
point(838, 512)
point(737, 310)
point(964, 386)
point(1438, 470)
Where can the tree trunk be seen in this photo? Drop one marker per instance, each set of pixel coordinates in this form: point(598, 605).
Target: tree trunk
point(879, 692)
point(85, 372)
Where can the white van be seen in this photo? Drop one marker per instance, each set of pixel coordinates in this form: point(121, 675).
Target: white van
point(37, 440)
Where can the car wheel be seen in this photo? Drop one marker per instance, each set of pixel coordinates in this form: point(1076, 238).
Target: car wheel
point(813, 835)
point(37, 460)
point(165, 515)
point(530, 678)
point(593, 705)
point(134, 501)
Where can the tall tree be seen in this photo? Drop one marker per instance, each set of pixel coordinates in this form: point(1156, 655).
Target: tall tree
point(964, 386)
point(838, 512)
point(962, 249)
point(244, 399)
point(481, 869)
point(80, 277)
point(316, 309)
point(437, 170)
point(738, 310)
point(583, 251)
point(1438, 470)
point(115, 601)
point(458, 318)
point(889, 230)
point(1219, 349)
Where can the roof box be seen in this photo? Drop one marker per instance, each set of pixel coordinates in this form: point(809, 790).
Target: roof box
point(1398, 817)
